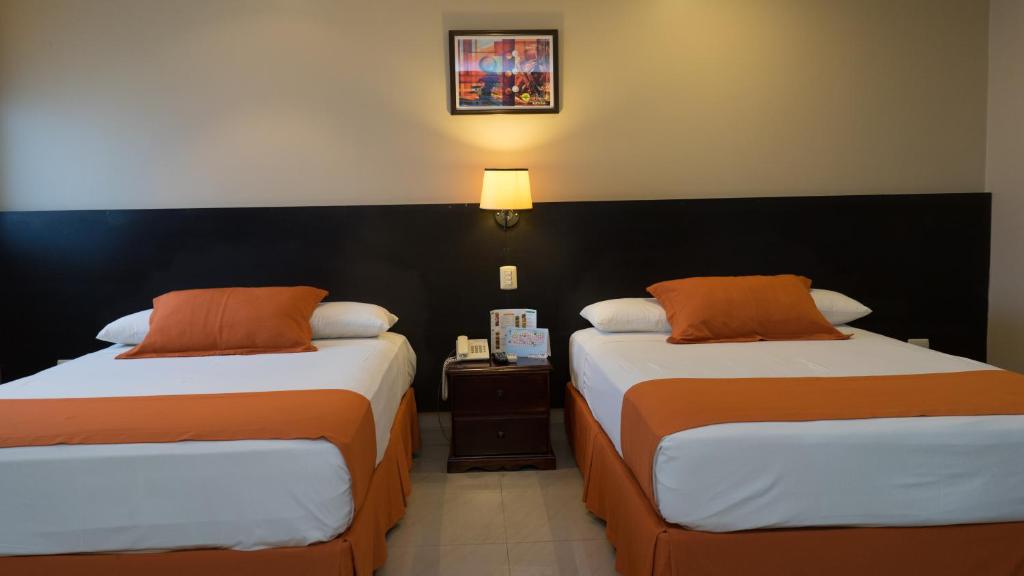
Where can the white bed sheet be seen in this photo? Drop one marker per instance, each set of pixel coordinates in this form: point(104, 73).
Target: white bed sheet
point(245, 495)
point(872, 472)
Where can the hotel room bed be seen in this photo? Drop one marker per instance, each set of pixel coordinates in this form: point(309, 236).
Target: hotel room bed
point(873, 472)
point(748, 496)
point(237, 494)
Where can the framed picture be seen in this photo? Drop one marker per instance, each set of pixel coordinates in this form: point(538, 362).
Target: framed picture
point(499, 72)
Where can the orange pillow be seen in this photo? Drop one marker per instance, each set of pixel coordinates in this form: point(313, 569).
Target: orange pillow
point(742, 309)
point(223, 321)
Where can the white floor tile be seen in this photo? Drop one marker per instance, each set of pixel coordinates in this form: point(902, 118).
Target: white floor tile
point(431, 459)
point(547, 505)
point(521, 523)
point(586, 558)
point(479, 560)
point(449, 509)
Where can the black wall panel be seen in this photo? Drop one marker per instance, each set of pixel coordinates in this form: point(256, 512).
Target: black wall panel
point(920, 261)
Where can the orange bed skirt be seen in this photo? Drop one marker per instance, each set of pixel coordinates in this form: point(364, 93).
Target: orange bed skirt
point(357, 552)
point(647, 545)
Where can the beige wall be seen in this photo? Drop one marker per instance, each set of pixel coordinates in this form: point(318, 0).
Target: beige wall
point(1006, 181)
point(156, 103)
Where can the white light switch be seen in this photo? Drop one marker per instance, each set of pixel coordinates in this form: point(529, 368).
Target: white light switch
point(508, 278)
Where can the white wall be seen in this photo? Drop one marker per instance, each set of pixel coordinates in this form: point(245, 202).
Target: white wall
point(151, 103)
point(1006, 181)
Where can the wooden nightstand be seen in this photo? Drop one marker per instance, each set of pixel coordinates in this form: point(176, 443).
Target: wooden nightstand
point(500, 415)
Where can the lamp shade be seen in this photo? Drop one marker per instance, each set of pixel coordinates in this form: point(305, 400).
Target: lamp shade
point(506, 189)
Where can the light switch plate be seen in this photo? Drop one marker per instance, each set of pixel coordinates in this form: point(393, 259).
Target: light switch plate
point(508, 278)
point(922, 342)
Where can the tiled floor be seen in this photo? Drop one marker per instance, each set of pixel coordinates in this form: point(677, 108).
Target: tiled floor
point(525, 523)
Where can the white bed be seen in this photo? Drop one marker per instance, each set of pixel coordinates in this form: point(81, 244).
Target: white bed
point(244, 495)
point(872, 472)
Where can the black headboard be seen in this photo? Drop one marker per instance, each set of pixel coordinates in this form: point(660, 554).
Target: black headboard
point(920, 261)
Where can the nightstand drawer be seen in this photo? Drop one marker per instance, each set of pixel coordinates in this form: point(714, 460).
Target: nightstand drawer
point(498, 394)
point(500, 436)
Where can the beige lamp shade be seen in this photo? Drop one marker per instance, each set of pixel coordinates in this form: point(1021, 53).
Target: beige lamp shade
point(506, 189)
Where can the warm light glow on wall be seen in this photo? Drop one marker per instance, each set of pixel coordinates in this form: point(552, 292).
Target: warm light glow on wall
point(506, 132)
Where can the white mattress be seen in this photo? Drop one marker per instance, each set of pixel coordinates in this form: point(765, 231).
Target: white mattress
point(244, 495)
point(871, 472)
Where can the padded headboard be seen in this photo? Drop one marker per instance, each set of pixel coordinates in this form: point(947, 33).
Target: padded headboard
point(920, 261)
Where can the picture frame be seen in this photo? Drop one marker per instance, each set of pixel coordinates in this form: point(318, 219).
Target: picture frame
point(503, 72)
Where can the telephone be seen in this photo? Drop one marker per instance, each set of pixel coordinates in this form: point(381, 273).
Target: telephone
point(466, 349)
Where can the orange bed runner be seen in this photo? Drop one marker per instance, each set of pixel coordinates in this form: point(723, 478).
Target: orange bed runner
point(657, 408)
point(342, 417)
point(357, 552)
point(646, 545)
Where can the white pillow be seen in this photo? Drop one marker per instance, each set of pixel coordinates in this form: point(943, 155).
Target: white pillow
point(350, 320)
point(838, 308)
point(330, 320)
point(627, 315)
point(130, 329)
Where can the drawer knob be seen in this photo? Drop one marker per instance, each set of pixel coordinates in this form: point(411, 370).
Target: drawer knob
point(501, 393)
point(501, 433)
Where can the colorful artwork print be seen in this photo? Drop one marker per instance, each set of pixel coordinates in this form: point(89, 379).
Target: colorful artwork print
point(503, 72)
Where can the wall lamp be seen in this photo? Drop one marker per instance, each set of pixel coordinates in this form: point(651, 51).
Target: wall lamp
point(506, 190)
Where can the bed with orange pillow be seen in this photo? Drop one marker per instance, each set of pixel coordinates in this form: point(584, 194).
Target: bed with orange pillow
point(757, 451)
point(228, 441)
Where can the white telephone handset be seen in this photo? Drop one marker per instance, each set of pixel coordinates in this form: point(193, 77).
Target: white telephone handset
point(466, 349)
